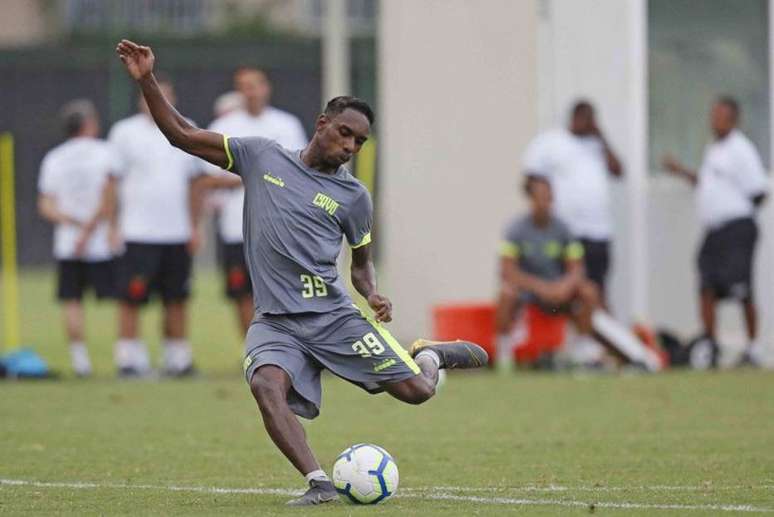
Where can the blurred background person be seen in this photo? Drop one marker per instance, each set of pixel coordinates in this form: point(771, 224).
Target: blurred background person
point(542, 264)
point(258, 118)
point(578, 161)
point(730, 186)
point(72, 182)
point(156, 222)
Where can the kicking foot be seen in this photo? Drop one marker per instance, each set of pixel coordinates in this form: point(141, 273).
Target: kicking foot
point(319, 492)
point(453, 354)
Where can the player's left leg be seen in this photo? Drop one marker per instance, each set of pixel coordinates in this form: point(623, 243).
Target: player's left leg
point(174, 282)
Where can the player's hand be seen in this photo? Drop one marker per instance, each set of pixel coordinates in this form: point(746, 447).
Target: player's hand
point(83, 241)
point(382, 307)
point(671, 164)
point(138, 59)
point(196, 241)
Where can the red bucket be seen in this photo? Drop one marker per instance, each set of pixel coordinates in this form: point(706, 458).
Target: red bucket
point(471, 322)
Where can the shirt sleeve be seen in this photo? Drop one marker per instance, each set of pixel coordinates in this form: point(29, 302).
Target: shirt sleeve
point(242, 153)
point(572, 248)
point(47, 178)
point(360, 218)
point(750, 174)
point(509, 245)
point(121, 160)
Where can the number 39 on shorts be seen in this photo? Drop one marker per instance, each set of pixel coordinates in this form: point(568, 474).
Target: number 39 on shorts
point(368, 346)
point(313, 286)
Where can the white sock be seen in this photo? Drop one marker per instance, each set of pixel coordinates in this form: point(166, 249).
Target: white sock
point(140, 357)
point(504, 344)
point(79, 355)
point(318, 474)
point(123, 353)
point(430, 354)
point(177, 355)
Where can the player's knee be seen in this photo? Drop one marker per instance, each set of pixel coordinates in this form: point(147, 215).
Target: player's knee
point(421, 392)
point(267, 391)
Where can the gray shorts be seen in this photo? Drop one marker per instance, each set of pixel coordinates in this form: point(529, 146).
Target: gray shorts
point(345, 341)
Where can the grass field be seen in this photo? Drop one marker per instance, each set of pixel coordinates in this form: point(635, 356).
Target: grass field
point(673, 444)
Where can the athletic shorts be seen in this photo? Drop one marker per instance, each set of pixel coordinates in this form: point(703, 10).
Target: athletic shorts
point(76, 276)
point(344, 341)
point(145, 269)
point(596, 259)
point(236, 275)
point(726, 259)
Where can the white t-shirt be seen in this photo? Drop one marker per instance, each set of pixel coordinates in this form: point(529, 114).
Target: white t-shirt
point(577, 169)
point(277, 125)
point(731, 175)
point(155, 181)
point(74, 173)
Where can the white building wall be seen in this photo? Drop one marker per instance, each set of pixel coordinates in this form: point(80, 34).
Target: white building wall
point(457, 87)
point(596, 49)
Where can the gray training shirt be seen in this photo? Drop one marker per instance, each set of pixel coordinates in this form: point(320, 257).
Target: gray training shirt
point(293, 221)
point(540, 251)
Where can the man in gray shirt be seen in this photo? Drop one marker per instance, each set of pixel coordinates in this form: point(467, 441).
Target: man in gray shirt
point(298, 206)
point(542, 264)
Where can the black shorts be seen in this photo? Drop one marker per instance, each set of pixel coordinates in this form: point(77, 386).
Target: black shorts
point(236, 275)
point(148, 268)
point(596, 259)
point(726, 259)
point(76, 276)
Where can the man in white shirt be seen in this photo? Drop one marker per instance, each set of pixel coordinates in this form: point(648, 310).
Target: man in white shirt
point(578, 162)
point(730, 185)
point(72, 181)
point(257, 118)
point(156, 217)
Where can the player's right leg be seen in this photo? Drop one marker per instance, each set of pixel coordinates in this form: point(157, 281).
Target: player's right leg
point(71, 282)
point(285, 382)
point(136, 268)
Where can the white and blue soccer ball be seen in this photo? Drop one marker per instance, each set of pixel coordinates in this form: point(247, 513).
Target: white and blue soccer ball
point(365, 474)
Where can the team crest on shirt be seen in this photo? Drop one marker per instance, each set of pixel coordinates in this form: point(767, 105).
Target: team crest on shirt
point(325, 202)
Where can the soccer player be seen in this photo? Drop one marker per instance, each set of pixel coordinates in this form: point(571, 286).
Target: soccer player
point(257, 119)
point(542, 263)
point(155, 183)
point(578, 160)
point(730, 185)
point(73, 178)
point(298, 207)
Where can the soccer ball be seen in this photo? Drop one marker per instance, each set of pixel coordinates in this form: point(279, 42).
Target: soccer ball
point(365, 474)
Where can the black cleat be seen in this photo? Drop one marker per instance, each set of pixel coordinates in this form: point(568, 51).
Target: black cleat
point(453, 354)
point(320, 492)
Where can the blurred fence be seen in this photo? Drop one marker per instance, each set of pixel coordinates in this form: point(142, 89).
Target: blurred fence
point(36, 82)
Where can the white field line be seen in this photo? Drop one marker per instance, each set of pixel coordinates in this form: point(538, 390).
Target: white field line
point(594, 488)
point(433, 493)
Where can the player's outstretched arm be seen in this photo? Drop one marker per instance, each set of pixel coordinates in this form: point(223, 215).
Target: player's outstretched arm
point(364, 280)
point(139, 61)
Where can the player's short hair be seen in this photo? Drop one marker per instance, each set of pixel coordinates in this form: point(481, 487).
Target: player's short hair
point(731, 103)
point(531, 180)
point(74, 114)
point(247, 69)
point(337, 105)
point(582, 105)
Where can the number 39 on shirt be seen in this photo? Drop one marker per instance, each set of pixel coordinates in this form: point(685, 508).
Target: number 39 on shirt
point(313, 286)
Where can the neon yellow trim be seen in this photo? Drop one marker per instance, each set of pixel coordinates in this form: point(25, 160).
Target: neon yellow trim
point(391, 342)
point(365, 240)
point(574, 251)
point(8, 220)
point(230, 163)
point(509, 249)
